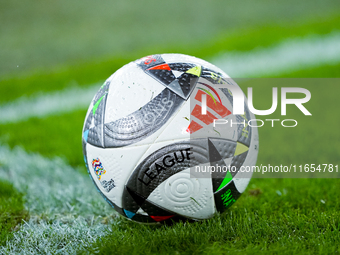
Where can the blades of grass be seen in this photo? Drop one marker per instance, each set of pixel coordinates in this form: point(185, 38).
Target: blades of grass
point(295, 222)
point(12, 210)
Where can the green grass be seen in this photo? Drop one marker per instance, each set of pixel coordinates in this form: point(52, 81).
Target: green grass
point(38, 35)
point(52, 136)
point(280, 216)
point(85, 73)
point(56, 48)
point(12, 210)
point(325, 71)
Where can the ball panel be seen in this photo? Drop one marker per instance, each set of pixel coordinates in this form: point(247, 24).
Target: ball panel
point(180, 78)
point(225, 197)
point(116, 164)
point(218, 107)
point(176, 129)
point(185, 195)
point(242, 178)
point(181, 58)
point(93, 127)
point(159, 166)
point(156, 173)
point(142, 123)
point(242, 183)
point(179, 126)
point(150, 61)
point(130, 89)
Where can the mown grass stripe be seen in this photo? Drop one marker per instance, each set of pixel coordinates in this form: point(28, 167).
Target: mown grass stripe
point(288, 56)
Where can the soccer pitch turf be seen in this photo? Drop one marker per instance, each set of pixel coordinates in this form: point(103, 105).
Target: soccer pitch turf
point(48, 203)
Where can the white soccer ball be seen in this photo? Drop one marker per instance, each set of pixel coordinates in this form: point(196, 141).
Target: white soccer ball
point(151, 151)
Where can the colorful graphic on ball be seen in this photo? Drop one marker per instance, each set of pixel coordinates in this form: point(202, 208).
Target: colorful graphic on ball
point(98, 168)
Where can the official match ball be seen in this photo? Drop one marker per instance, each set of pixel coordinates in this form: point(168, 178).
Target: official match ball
point(161, 142)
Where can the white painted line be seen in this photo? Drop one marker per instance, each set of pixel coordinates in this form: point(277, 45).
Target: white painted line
point(290, 55)
point(51, 186)
point(40, 237)
point(57, 102)
point(66, 211)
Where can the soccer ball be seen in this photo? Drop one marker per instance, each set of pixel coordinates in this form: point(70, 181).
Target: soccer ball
point(155, 154)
